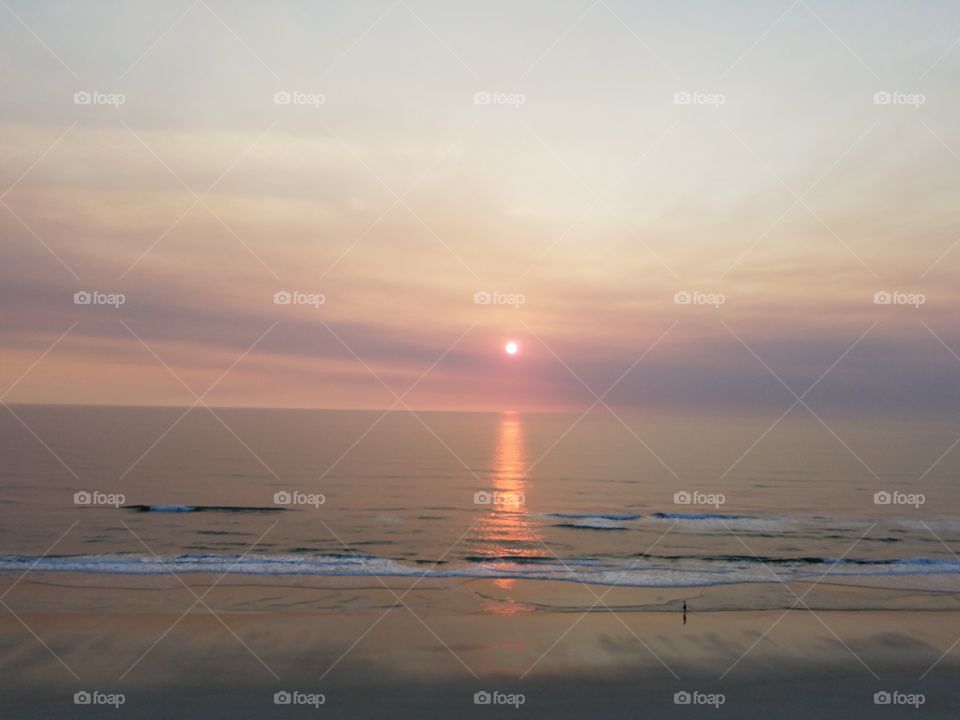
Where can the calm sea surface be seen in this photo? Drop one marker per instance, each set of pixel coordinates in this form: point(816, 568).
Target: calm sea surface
point(642, 501)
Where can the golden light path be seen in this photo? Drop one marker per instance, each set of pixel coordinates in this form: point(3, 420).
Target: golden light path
point(505, 532)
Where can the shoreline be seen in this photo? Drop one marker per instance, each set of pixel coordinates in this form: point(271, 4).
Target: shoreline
point(48, 591)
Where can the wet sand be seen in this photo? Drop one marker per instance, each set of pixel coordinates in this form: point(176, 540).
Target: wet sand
point(351, 641)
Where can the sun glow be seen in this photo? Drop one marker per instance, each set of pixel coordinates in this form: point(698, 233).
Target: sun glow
point(511, 348)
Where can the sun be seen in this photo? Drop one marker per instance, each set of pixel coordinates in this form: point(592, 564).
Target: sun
point(511, 348)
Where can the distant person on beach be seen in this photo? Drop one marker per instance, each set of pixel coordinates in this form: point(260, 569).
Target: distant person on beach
point(684, 612)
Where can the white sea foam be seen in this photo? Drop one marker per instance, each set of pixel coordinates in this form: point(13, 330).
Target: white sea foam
point(641, 572)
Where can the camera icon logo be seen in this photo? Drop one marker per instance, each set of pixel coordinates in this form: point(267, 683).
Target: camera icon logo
point(82, 98)
point(482, 698)
point(882, 97)
point(282, 298)
point(82, 297)
point(482, 497)
point(882, 698)
point(82, 497)
point(282, 697)
point(482, 98)
point(482, 297)
point(682, 98)
point(282, 497)
point(682, 498)
point(882, 498)
point(282, 97)
point(682, 298)
point(82, 698)
point(882, 298)
point(682, 698)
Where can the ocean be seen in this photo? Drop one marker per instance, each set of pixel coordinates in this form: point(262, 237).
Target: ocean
point(632, 500)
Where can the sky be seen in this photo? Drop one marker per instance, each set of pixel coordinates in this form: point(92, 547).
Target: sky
point(586, 166)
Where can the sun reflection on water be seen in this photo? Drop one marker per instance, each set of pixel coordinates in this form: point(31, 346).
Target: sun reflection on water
point(504, 536)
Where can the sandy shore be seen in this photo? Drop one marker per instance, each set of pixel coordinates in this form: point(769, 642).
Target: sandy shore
point(349, 640)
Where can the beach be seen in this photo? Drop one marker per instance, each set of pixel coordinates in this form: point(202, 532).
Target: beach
point(429, 655)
